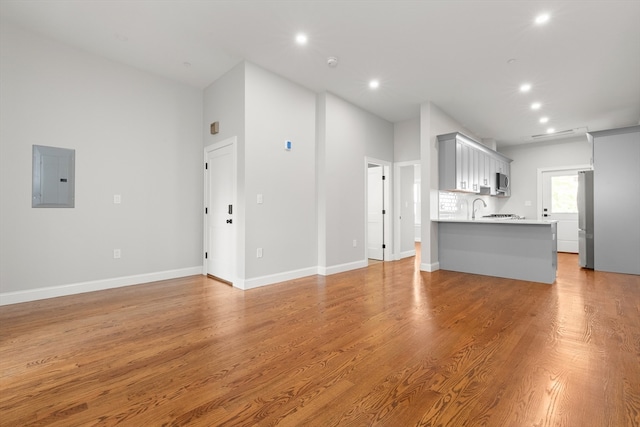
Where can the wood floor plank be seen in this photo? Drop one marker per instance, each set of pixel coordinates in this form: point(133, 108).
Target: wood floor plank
point(386, 345)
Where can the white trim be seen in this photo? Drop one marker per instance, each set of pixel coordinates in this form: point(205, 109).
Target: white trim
point(233, 142)
point(430, 268)
point(407, 254)
point(7, 298)
point(397, 205)
point(340, 268)
point(553, 169)
point(271, 279)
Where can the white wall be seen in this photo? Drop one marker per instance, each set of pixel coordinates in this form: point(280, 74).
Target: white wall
point(527, 159)
point(224, 102)
point(433, 122)
point(616, 200)
point(406, 140)
point(406, 155)
point(264, 110)
point(349, 135)
point(284, 226)
point(135, 134)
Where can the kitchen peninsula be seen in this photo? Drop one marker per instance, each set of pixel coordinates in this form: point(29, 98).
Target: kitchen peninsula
point(514, 249)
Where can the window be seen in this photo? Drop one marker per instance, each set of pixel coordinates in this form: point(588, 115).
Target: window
point(564, 194)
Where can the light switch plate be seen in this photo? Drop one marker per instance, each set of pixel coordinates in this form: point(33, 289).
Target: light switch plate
point(117, 199)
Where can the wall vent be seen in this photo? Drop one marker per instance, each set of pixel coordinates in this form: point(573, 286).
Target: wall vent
point(558, 135)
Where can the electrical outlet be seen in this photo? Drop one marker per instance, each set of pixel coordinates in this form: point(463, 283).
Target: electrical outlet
point(116, 253)
point(259, 253)
point(355, 243)
point(117, 199)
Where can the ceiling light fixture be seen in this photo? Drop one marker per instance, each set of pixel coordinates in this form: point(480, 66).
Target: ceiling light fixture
point(374, 84)
point(544, 119)
point(536, 106)
point(551, 130)
point(301, 39)
point(542, 18)
point(525, 87)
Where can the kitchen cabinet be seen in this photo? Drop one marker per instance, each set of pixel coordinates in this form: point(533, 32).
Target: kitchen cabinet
point(523, 250)
point(468, 166)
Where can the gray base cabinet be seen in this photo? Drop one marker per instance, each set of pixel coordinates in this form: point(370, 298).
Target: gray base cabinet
point(513, 250)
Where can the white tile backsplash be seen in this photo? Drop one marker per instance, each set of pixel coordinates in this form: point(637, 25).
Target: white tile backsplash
point(458, 205)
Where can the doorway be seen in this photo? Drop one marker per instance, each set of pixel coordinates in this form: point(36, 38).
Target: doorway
point(407, 209)
point(558, 191)
point(378, 229)
point(220, 211)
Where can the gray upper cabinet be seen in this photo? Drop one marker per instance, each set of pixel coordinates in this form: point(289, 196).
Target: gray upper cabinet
point(468, 166)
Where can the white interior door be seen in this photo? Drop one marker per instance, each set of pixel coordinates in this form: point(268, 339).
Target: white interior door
point(220, 213)
point(375, 217)
point(559, 202)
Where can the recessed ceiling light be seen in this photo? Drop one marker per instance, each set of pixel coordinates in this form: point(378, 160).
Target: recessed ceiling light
point(551, 130)
point(525, 87)
point(374, 84)
point(301, 39)
point(536, 106)
point(542, 18)
point(544, 119)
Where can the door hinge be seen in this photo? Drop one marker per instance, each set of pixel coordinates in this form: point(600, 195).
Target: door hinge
point(206, 211)
point(206, 165)
point(384, 177)
point(384, 212)
point(206, 255)
point(384, 246)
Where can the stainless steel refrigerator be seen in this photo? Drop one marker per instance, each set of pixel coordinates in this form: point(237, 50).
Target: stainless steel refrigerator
point(585, 218)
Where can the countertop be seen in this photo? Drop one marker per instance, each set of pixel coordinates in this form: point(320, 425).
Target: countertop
point(499, 221)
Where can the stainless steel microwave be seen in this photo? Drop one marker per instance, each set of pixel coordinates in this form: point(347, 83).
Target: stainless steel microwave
point(502, 182)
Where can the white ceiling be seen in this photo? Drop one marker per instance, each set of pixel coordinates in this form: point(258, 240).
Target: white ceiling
point(584, 64)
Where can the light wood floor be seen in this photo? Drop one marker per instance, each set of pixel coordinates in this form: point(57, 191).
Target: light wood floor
point(386, 346)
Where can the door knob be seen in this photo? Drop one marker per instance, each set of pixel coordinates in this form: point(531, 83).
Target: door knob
point(229, 221)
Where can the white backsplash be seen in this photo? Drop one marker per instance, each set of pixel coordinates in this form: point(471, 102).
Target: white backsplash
point(458, 205)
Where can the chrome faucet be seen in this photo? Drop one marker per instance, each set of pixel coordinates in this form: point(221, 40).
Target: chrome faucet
point(473, 207)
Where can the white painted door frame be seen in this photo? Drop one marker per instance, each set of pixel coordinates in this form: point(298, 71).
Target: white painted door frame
point(397, 204)
point(388, 231)
point(540, 183)
point(232, 141)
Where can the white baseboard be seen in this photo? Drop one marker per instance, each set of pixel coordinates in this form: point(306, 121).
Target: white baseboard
point(334, 269)
point(430, 267)
point(16, 297)
point(257, 282)
point(407, 254)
